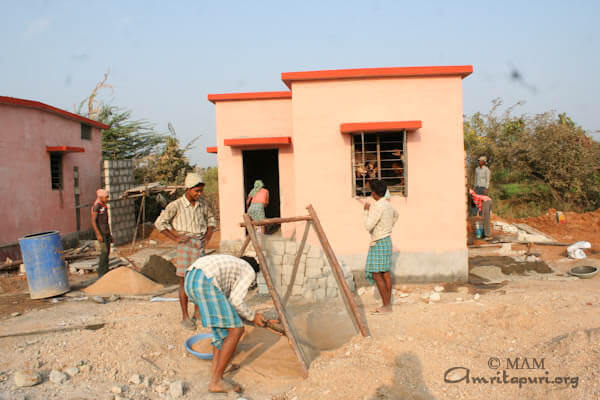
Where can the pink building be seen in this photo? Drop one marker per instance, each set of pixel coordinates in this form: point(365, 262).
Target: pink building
point(50, 164)
point(319, 142)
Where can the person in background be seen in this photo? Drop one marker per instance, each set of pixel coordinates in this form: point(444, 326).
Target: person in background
point(483, 204)
point(102, 229)
point(257, 201)
point(189, 221)
point(379, 220)
point(482, 177)
point(218, 284)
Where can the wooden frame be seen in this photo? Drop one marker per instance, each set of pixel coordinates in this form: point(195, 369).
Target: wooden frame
point(311, 220)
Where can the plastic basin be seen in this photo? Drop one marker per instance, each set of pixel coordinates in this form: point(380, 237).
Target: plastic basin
point(195, 339)
point(583, 272)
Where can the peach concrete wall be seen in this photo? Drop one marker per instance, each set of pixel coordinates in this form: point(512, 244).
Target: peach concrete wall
point(432, 217)
point(29, 205)
point(251, 119)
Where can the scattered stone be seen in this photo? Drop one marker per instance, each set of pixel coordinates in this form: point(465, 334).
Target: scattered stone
point(117, 389)
point(85, 369)
point(439, 289)
point(177, 389)
point(152, 242)
point(476, 296)
point(435, 297)
point(147, 381)
point(462, 289)
point(71, 371)
point(27, 378)
point(425, 296)
point(58, 377)
point(15, 314)
point(136, 379)
point(98, 299)
point(117, 397)
point(114, 297)
point(162, 388)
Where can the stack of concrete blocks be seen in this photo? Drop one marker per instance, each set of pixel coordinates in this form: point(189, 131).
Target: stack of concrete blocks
point(314, 279)
point(118, 177)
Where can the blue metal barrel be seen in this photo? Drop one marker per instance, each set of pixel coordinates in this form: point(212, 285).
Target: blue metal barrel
point(44, 264)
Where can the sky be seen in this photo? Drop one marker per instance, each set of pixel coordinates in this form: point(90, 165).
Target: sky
point(165, 57)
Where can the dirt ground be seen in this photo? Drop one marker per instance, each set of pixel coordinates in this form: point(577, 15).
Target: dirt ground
point(541, 325)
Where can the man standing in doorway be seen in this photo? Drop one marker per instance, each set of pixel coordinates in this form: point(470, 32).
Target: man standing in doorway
point(189, 221)
point(102, 229)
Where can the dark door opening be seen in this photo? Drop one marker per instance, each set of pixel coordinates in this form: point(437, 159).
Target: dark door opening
point(264, 165)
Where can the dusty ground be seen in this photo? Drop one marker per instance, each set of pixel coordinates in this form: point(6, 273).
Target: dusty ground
point(480, 329)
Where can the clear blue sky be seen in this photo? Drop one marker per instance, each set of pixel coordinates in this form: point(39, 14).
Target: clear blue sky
point(165, 57)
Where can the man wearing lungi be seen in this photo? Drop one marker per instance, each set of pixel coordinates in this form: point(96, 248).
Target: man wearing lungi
point(218, 284)
point(190, 221)
point(379, 220)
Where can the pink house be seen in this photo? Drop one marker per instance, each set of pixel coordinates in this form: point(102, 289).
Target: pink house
point(50, 164)
point(319, 142)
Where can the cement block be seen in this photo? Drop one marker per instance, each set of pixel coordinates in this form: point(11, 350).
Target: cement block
point(289, 259)
point(277, 259)
point(313, 272)
point(311, 284)
point(287, 269)
point(332, 292)
point(308, 294)
point(312, 263)
point(291, 247)
point(263, 289)
point(260, 279)
point(322, 283)
point(320, 294)
point(314, 252)
point(277, 248)
point(331, 282)
point(297, 290)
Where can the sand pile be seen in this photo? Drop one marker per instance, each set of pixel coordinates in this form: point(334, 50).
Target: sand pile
point(160, 270)
point(123, 281)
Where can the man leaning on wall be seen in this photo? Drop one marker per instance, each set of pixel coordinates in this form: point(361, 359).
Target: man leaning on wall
point(190, 221)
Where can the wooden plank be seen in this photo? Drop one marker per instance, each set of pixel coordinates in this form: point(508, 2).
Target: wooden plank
point(338, 273)
point(272, 221)
point(289, 331)
point(297, 263)
point(244, 246)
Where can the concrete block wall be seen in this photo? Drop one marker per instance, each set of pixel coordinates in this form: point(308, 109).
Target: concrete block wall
point(117, 177)
point(314, 279)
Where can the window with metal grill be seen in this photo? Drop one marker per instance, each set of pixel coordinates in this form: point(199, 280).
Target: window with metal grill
point(56, 170)
point(379, 155)
point(86, 132)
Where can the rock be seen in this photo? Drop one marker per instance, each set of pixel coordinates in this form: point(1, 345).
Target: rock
point(114, 297)
point(476, 296)
point(177, 389)
point(15, 314)
point(439, 289)
point(117, 397)
point(435, 297)
point(162, 388)
point(136, 379)
point(58, 377)
point(27, 378)
point(462, 289)
point(147, 381)
point(98, 299)
point(117, 389)
point(84, 369)
point(152, 242)
point(361, 291)
point(71, 371)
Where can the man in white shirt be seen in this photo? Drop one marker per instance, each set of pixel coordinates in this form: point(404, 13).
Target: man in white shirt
point(379, 220)
point(218, 284)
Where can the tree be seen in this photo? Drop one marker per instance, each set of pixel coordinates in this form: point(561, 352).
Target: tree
point(169, 167)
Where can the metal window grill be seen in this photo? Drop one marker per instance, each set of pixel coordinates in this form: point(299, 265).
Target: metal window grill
point(86, 132)
point(379, 155)
point(56, 171)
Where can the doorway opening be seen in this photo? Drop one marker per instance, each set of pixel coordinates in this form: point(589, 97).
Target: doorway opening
point(263, 165)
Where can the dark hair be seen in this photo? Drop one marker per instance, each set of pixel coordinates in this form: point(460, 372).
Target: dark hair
point(252, 261)
point(378, 186)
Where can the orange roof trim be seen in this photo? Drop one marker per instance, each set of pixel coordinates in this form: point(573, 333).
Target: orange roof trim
point(380, 126)
point(213, 98)
point(13, 101)
point(64, 149)
point(282, 140)
point(363, 73)
point(212, 150)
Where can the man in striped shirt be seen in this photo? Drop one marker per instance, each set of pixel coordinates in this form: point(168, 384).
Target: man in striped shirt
point(189, 221)
point(218, 284)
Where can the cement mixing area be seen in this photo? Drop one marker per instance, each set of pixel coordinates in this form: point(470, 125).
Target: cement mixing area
point(521, 327)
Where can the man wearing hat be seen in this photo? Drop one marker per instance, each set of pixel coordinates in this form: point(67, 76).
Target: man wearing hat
point(482, 177)
point(190, 221)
